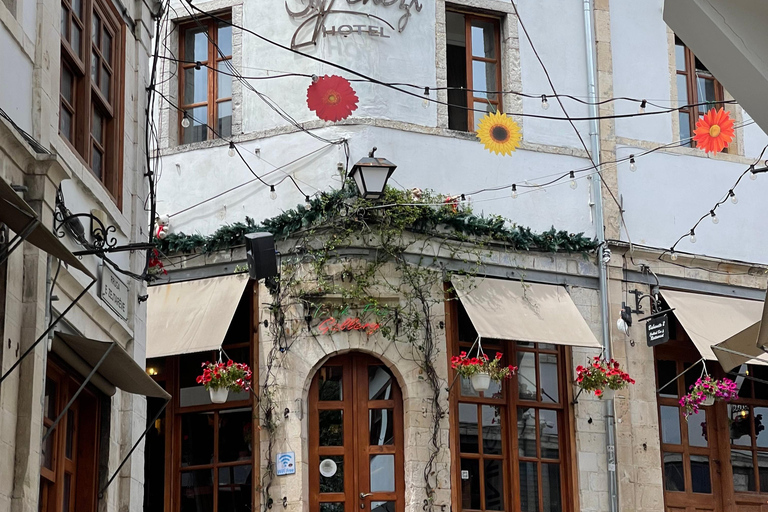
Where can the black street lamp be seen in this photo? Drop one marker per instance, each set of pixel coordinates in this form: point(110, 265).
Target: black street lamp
point(371, 175)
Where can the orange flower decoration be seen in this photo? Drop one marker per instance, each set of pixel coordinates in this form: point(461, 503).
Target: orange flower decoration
point(714, 131)
point(332, 98)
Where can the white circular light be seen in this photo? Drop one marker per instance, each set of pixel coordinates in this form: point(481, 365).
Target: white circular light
point(328, 468)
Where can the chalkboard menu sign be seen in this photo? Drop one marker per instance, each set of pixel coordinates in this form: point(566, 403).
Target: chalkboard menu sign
point(657, 330)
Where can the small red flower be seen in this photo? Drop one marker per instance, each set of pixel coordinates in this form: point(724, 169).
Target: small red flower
point(332, 98)
point(498, 355)
point(598, 392)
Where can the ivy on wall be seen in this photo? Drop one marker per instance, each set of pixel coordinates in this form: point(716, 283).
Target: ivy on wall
point(425, 218)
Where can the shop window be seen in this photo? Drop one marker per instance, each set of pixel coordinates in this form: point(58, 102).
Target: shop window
point(695, 84)
point(69, 456)
point(473, 45)
point(510, 443)
point(90, 91)
point(205, 82)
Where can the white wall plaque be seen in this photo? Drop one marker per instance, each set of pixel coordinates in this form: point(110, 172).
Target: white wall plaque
point(114, 292)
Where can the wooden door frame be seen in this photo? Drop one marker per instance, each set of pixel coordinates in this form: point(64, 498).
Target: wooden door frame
point(356, 449)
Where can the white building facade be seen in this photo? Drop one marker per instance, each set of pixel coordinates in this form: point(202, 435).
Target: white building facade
point(238, 141)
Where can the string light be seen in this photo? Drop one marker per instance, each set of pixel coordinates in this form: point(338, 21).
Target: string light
point(544, 102)
point(272, 193)
point(632, 164)
point(307, 203)
point(514, 191)
point(732, 195)
point(693, 237)
point(573, 181)
point(641, 110)
point(425, 103)
point(231, 151)
point(185, 120)
point(752, 173)
point(673, 256)
point(712, 214)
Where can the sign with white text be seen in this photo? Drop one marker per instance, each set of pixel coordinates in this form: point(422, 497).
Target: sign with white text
point(657, 330)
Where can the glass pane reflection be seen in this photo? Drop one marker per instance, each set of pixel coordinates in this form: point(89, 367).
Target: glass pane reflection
point(379, 383)
point(491, 417)
point(470, 484)
point(382, 506)
point(526, 431)
point(468, 428)
point(332, 507)
point(382, 473)
point(550, 485)
point(743, 470)
point(549, 377)
point(334, 482)
point(197, 491)
point(673, 472)
point(550, 442)
point(700, 477)
point(329, 383)
point(697, 429)
point(670, 424)
point(381, 426)
point(331, 428)
point(196, 439)
point(235, 435)
point(526, 375)
point(529, 487)
point(494, 485)
point(235, 488)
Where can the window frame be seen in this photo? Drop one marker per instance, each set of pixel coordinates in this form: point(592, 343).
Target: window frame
point(471, 98)
point(213, 56)
point(691, 75)
point(511, 402)
point(83, 467)
point(87, 97)
point(169, 376)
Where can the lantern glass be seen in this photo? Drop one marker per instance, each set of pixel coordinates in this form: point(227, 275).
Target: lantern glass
point(371, 180)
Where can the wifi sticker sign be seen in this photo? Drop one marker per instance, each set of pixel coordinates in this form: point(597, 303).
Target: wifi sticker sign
point(286, 463)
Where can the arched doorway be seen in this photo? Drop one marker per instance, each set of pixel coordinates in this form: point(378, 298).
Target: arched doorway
point(355, 437)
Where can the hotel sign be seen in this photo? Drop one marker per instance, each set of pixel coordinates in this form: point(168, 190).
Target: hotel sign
point(326, 18)
point(657, 330)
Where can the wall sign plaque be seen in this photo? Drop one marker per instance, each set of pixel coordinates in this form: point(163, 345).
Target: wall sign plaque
point(319, 19)
point(657, 330)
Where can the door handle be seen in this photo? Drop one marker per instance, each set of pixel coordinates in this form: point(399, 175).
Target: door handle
point(364, 495)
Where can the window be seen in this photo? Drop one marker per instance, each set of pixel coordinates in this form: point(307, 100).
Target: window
point(206, 95)
point(748, 438)
point(695, 84)
point(474, 67)
point(509, 445)
point(90, 105)
point(202, 453)
point(68, 478)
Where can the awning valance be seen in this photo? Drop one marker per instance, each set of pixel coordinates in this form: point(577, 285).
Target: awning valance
point(744, 345)
point(118, 368)
point(191, 316)
point(17, 215)
point(511, 310)
point(710, 319)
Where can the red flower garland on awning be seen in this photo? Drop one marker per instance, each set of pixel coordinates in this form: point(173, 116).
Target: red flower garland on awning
point(332, 98)
point(714, 131)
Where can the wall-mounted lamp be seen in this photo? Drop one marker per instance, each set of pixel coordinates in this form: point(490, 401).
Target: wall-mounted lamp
point(371, 175)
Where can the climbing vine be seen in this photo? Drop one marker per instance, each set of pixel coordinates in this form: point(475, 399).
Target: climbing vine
point(359, 253)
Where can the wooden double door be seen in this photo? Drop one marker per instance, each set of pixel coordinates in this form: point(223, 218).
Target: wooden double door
point(356, 459)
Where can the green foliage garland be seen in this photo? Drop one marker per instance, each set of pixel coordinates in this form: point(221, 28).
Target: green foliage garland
point(445, 221)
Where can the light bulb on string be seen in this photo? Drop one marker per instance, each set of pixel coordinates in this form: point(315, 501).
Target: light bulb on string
point(693, 237)
point(734, 199)
point(573, 181)
point(632, 164)
point(752, 173)
point(641, 110)
point(713, 215)
point(231, 151)
point(425, 103)
point(307, 203)
point(185, 120)
point(673, 256)
point(514, 191)
point(272, 193)
point(544, 102)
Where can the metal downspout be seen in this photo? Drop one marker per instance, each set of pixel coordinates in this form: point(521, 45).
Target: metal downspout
point(594, 136)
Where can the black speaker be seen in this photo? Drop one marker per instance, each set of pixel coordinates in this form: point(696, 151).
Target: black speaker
point(262, 259)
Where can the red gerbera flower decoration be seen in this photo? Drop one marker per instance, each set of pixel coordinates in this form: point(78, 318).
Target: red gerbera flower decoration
point(714, 131)
point(332, 98)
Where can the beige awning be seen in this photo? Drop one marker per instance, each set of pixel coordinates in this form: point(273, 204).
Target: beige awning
point(17, 215)
point(745, 345)
point(118, 369)
point(511, 310)
point(710, 319)
point(191, 316)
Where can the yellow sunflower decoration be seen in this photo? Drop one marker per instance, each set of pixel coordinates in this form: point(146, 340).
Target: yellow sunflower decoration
point(499, 133)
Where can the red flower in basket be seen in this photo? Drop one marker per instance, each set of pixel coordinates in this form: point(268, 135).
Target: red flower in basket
point(601, 374)
point(332, 98)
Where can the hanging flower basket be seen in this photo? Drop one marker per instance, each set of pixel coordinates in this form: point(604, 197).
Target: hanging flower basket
point(704, 393)
point(602, 377)
point(482, 370)
point(219, 379)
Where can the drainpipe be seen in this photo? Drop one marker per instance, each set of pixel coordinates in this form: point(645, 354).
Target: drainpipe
point(594, 136)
